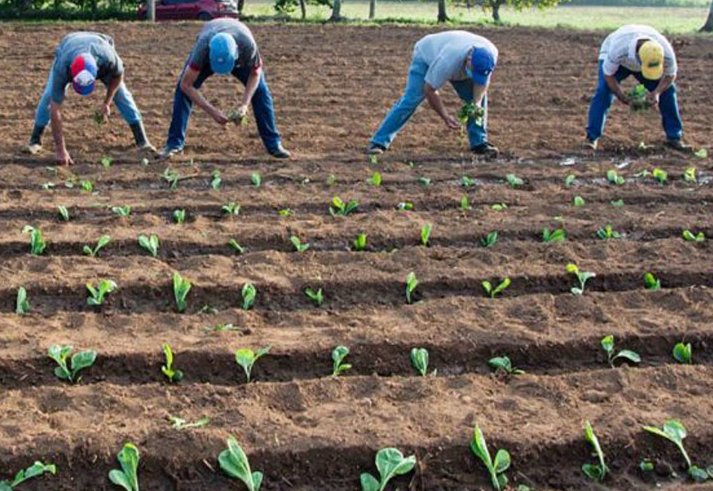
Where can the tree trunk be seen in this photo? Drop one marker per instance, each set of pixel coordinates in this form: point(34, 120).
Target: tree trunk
point(496, 10)
point(241, 6)
point(708, 26)
point(303, 10)
point(442, 15)
point(336, 11)
point(372, 9)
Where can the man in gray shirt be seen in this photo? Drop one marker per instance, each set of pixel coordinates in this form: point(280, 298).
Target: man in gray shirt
point(80, 59)
point(464, 59)
point(224, 46)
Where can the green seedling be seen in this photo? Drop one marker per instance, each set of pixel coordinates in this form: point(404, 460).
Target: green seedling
point(607, 232)
point(172, 374)
point(122, 211)
point(471, 112)
point(63, 213)
point(181, 287)
point(183, 424)
point(102, 242)
point(37, 242)
point(256, 179)
point(405, 206)
point(106, 161)
point(514, 181)
point(35, 470)
point(489, 240)
point(646, 465)
point(465, 203)
point(424, 181)
point(149, 243)
point(285, 212)
point(223, 327)
point(207, 310)
point(230, 209)
point(298, 244)
point(651, 282)
point(390, 463)
point(98, 118)
point(617, 203)
point(689, 236)
point(637, 98)
point(338, 355)
point(419, 360)
point(595, 472)
point(467, 182)
point(569, 180)
point(236, 118)
point(492, 291)
point(216, 180)
point(331, 180)
point(690, 175)
point(22, 305)
point(316, 296)
point(360, 242)
point(246, 358)
point(78, 362)
point(498, 207)
point(673, 431)
point(660, 175)
point(496, 468)
point(98, 295)
point(502, 364)
point(248, 292)
point(701, 153)
point(582, 278)
point(375, 179)
point(607, 343)
point(579, 201)
point(614, 178)
point(373, 159)
point(179, 216)
point(340, 208)
point(127, 478)
point(554, 235)
point(87, 186)
point(234, 463)
point(171, 177)
point(426, 234)
point(233, 244)
point(48, 185)
point(683, 353)
point(411, 284)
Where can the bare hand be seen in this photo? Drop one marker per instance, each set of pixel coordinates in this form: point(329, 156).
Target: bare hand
point(623, 99)
point(652, 98)
point(243, 111)
point(62, 157)
point(452, 122)
point(220, 118)
point(104, 112)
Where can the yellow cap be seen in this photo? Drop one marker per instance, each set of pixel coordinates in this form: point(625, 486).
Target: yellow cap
point(651, 55)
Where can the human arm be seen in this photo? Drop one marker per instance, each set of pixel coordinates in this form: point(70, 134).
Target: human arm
point(62, 157)
point(250, 89)
point(188, 80)
point(437, 104)
point(616, 89)
point(665, 82)
point(111, 89)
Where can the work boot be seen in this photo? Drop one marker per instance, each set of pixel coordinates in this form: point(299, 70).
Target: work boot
point(169, 152)
point(485, 149)
point(375, 149)
point(679, 145)
point(590, 144)
point(34, 146)
point(142, 141)
point(279, 152)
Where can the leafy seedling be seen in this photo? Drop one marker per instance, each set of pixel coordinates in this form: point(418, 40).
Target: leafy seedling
point(171, 373)
point(465, 203)
point(689, 236)
point(179, 216)
point(246, 358)
point(690, 175)
point(617, 203)
point(683, 353)
point(233, 244)
point(375, 179)
point(595, 472)
point(419, 360)
point(122, 211)
point(63, 213)
point(411, 284)
point(646, 465)
point(582, 278)
point(339, 208)
point(22, 304)
point(390, 463)
point(607, 343)
point(149, 243)
point(514, 181)
point(98, 118)
point(338, 355)
point(673, 431)
point(373, 159)
point(660, 175)
point(492, 291)
point(234, 463)
point(467, 182)
point(223, 327)
point(236, 118)
point(651, 282)
point(127, 478)
point(183, 424)
point(171, 177)
point(489, 240)
point(614, 178)
point(98, 294)
point(502, 364)
point(67, 368)
point(554, 235)
point(607, 232)
point(102, 242)
point(701, 153)
point(498, 207)
point(37, 242)
point(405, 206)
point(106, 161)
point(181, 287)
point(230, 209)
point(35, 470)
point(248, 292)
point(578, 201)
point(569, 180)
point(424, 181)
point(216, 180)
point(426, 234)
point(285, 212)
point(298, 244)
point(637, 98)
point(496, 468)
point(87, 186)
point(316, 296)
point(256, 179)
point(471, 112)
point(360, 242)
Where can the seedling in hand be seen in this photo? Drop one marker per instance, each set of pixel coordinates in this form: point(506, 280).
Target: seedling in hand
point(127, 478)
point(637, 98)
point(236, 118)
point(514, 181)
point(233, 244)
point(98, 294)
point(426, 234)
point(554, 235)
point(689, 236)
point(339, 208)
point(35, 470)
point(673, 431)
point(492, 291)
point(246, 358)
point(230, 209)
point(360, 242)
point(614, 178)
point(338, 355)
point(22, 305)
point(298, 244)
point(582, 278)
point(683, 353)
point(316, 296)
point(181, 287)
point(256, 179)
point(419, 360)
point(102, 242)
point(502, 364)
point(411, 284)
point(234, 463)
point(607, 343)
point(172, 374)
point(63, 213)
point(37, 242)
point(78, 362)
point(607, 232)
point(248, 292)
point(489, 240)
point(390, 463)
point(471, 112)
point(651, 282)
point(149, 243)
point(595, 472)
point(496, 468)
point(179, 216)
point(122, 211)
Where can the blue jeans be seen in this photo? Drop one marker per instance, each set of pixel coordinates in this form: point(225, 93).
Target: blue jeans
point(413, 96)
point(261, 102)
point(123, 99)
point(601, 102)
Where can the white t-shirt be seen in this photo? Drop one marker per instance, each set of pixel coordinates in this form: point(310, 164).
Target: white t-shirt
point(619, 48)
point(445, 54)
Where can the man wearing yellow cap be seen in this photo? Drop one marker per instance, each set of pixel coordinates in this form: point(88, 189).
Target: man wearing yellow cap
point(643, 52)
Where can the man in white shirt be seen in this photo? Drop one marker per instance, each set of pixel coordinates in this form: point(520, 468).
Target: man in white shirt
point(643, 52)
point(462, 58)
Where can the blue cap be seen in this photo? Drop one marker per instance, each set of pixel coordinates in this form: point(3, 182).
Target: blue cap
point(84, 73)
point(482, 65)
point(223, 53)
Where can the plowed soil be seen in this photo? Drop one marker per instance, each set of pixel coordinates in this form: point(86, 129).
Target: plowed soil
point(303, 428)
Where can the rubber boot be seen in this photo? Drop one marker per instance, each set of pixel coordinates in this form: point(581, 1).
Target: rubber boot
point(142, 141)
point(35, 144)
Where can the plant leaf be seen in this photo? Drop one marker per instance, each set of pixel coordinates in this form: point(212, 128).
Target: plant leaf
point(368, 482)
point(632, 356)
point(119, 478)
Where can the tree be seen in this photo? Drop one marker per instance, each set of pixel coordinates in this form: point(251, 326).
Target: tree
point(708, 26)
point(336, 11)
point(442, 15)
point(372, 9)
point(494, 5)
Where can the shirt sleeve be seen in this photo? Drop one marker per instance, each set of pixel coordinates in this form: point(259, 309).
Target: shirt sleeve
point(670, 63)
point(116, 66)
point(438, 73)
point(610, 66)
point(58, 82)
point(199, 56)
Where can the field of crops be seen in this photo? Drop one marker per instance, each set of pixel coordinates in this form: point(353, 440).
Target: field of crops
point(257, 235)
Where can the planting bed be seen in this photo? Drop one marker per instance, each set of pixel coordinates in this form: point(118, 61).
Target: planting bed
point(304, 429)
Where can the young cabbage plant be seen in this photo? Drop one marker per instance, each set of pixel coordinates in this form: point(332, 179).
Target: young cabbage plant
point(171, 373)
point(37, 242)
point(171, 177)
point(233, 244)
point(689, 236)
point(248, 292)
point(614, 178)
point(492, 291)
point(68, 369)
point(285, 212)
point(569, 180)
point(121, 211)
point(127, 478)
point(582, 278)
point(579, 201)
point(470, 111)
point(419, 360)
point(360, 243)
point(690, 175)
point(216, 180)
point(22, 304)
point(651, 282)
point(607, 232)
point(426, 234)
point(35, 470)
point(465, 203)
point(673, 431)
point(502, 364)
point(149, 243)
point(411, 284)
point(554, 235)
point(424, 181)
point(514, 181)
point(607, 343)
point(339, 208)
point(298, 244)
point(181, 287)
point(246, 358)
point(87, 186)
point(405, 206)
point(489, 240)
point(595, 472)
point(338, 355)
point(234, 463)
point(316, 296)
point(390, 463)
point(106, 161)
point(683, 353)
point(230, 209)
point(63, 213)
point(701, 153)
point(467, 182)
point(183, 424)
point(102, 242)
point(98, 294)
point(660, 175)
point(256, 179)
point(375, 179)
point(179, 216)
point(497, 467)
point(499, 206)
point(637, 98)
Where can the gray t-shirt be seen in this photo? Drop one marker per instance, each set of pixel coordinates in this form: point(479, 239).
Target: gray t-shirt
point(248, 54)
point(101, 46)
point(445, 54)
point(619, 49)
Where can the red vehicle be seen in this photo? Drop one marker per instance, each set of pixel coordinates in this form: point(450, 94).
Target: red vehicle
point(192, 9)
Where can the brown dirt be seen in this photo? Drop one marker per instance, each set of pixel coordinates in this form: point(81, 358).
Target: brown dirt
point(304, 429)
